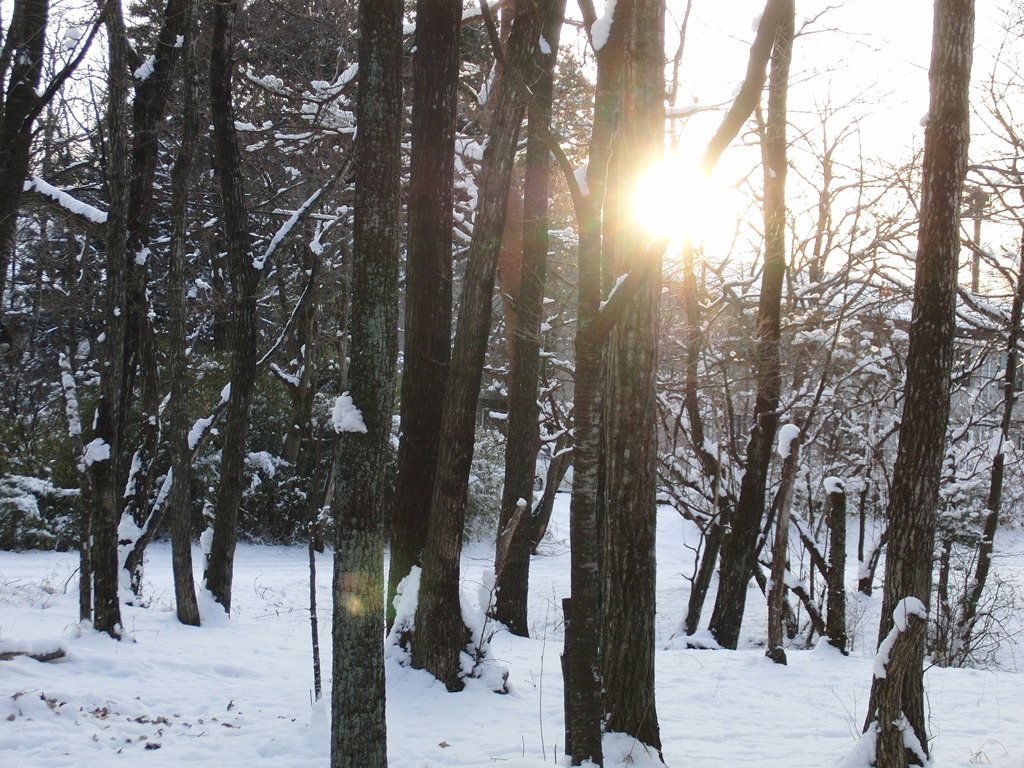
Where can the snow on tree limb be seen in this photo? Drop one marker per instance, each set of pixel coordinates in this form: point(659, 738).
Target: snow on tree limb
point(65, 201)
point(901, 615)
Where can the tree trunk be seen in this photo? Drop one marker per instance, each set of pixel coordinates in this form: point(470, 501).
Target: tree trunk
point(896, 708)
point(739, 547)
point(777, 605)
point(428, 298)
point(359, 731)
point(178, 503)
point(835, 600)
point(631, 441)
point(26, 34)
point(440, 633)
point(107, 464)
point(244, 281)
point(523, 436)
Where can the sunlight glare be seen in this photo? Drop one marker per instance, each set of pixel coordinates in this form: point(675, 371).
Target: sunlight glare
point(674, 200)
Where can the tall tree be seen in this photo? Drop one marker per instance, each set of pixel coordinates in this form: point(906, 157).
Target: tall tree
point(743, 105)
point(245, 277)
point(896, 714)
point(739, 548)
point(178, 502)
point(358, 728)
point(104, 459)
point(440, 632)
point(512, 573)
point(428, 299)
point(631, 441)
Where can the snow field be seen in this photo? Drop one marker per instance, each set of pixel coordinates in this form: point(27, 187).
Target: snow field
point(238, 693)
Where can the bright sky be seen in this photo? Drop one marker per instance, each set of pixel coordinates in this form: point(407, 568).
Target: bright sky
point(864, 60)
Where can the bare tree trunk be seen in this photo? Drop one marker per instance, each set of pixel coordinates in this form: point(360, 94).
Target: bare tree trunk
point(835, 600)
point(428, 299)
point(358, 725)
point(178, 503)
point(777, 605)
point(26, 35)
point(523, 436)
point(631, 443)
point(244, 281)
point(738, 549)
point(440, 633)
point(896, 715)
point(104, 455)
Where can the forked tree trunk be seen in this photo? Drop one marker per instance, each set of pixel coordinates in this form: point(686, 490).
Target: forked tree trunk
point(440, 633)
point(896, 712)
point(428, 299)
point(358, 726)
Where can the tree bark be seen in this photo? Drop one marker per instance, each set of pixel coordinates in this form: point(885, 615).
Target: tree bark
point(440, 633)
point(631, 440)
point(106, 474)
point(777, 605)
point(178, 503)
point(835, 600)
point(428, 299)
point(523, 436)
point(358, 726)
point(896, 708)
point(244, 281)
point(739, 556)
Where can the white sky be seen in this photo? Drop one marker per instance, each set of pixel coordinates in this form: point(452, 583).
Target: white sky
point(876, 51)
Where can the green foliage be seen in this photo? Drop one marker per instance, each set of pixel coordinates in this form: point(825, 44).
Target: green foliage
point(486, 480)
point(35, 514)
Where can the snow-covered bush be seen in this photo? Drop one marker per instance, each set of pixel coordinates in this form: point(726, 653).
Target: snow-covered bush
point(486, 481)
point(36, 514)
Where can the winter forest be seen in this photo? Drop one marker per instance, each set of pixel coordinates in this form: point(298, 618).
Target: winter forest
point(436, 383)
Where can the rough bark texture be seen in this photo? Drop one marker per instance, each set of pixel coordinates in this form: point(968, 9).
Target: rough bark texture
point(244, 333)
point(835, 600)
point(523, 435)
point(896, 707)
point(112, 411)
point(358, 728)
point(177, 409)
point(440, 634)
point(631, 443)
point(739, 557)
point(428, 300)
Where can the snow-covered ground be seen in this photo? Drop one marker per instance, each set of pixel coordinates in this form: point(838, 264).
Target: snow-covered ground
point(238, 692)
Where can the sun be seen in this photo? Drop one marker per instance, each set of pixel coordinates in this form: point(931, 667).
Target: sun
point(672, 199)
